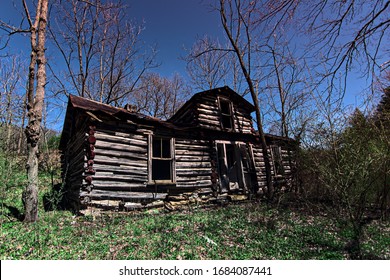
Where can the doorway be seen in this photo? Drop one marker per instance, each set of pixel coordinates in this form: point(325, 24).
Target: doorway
point(236, 167)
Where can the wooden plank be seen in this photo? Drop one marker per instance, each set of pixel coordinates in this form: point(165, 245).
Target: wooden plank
point(208, 117)
point(208, 111)
point(191, 185)
point(101, 144)
point(194, 182)
point(120, 154)
point(210, 100)
point(208, 107)
point(76, 145)
point(194, 178)
point(122, 170)
point(117, 185)
point(192, 147)
point(259, 164)
point(243, 122)
point(191, 153)
point(120, 162)
point(119, 177)
point(191, 141)
point(209, 126)
point(189, 158)
point(216, 123)
point(193, 173)
point(123, 196)
point(130, 140)
point(196, 164)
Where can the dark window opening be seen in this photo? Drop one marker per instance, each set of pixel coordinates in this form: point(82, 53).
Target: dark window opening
point(230, 156)
point(161, 147)
point(276, 153)
point(226, 114)
point(161, 169)
point(162, 159)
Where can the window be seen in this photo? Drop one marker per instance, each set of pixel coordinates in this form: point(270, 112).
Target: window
point(226, 114)
point(276, 153)
point(161, 159)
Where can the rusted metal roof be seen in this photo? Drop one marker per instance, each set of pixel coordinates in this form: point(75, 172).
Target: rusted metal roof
point(121, 113)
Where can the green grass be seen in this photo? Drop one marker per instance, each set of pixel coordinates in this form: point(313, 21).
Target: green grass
point(237, 231)
point(245, 231)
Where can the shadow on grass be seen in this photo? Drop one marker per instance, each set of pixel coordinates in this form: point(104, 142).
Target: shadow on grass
point(14, 212)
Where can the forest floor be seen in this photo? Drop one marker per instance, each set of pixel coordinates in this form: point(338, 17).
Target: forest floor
point(249, 230)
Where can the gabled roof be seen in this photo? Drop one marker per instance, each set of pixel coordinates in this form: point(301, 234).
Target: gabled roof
point(95, 106)
point(221, 91)
point(96, 109)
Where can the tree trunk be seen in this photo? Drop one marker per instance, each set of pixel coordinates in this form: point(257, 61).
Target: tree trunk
point(244, 68)
point(34, 107)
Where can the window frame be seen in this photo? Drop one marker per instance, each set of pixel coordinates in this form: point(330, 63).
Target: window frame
point(151, 157)
point(226, 115)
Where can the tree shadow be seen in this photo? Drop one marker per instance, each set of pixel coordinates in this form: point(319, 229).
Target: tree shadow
point(14, 212)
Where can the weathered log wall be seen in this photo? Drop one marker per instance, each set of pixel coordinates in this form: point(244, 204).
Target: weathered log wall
point(287, 162)
point(193, 163)
point(74, 162)
point(106, 156)
point(120, 165)
point(209, 115)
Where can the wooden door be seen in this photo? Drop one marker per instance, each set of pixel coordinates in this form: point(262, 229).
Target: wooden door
point(230, 167)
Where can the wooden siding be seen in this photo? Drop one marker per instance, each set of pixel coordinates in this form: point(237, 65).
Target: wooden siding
point(120, 164)
point(193, 163)
point(204, 112)
point(107, 161)
point(209, 115)
point(74, 162)
point(260, 166)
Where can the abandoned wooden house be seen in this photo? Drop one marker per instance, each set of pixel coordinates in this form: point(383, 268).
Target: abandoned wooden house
point(208, 151)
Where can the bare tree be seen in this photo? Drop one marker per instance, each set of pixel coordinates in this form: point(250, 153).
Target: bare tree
point(101, 49)
point(11, 99)
point(285, 89)
point(158, 96)
point(207, 69)
point(35, 99)
point(35, 95)
point(346, 35)
point(237, 22)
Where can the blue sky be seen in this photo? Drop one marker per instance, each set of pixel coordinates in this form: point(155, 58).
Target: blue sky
point(173, 25)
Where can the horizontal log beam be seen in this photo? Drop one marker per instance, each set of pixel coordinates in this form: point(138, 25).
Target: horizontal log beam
point(123, 196)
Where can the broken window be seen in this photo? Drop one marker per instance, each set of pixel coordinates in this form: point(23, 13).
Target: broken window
point(276, 153)
point(226, 114)
point(161, 159)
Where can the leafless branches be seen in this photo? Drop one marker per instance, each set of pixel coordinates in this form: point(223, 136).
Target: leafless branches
point(348, 34)
point(158, 96)
point(208, 64)
point(236, 21)
point(101, 49)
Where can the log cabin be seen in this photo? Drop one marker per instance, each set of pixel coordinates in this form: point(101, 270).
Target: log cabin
point(208, 151)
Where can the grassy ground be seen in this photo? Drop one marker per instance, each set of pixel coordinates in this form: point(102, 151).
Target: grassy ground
point(240, 231)
point(246, 231)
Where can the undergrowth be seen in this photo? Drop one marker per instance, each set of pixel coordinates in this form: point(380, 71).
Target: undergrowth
point(245, 231)
point(250, 230)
